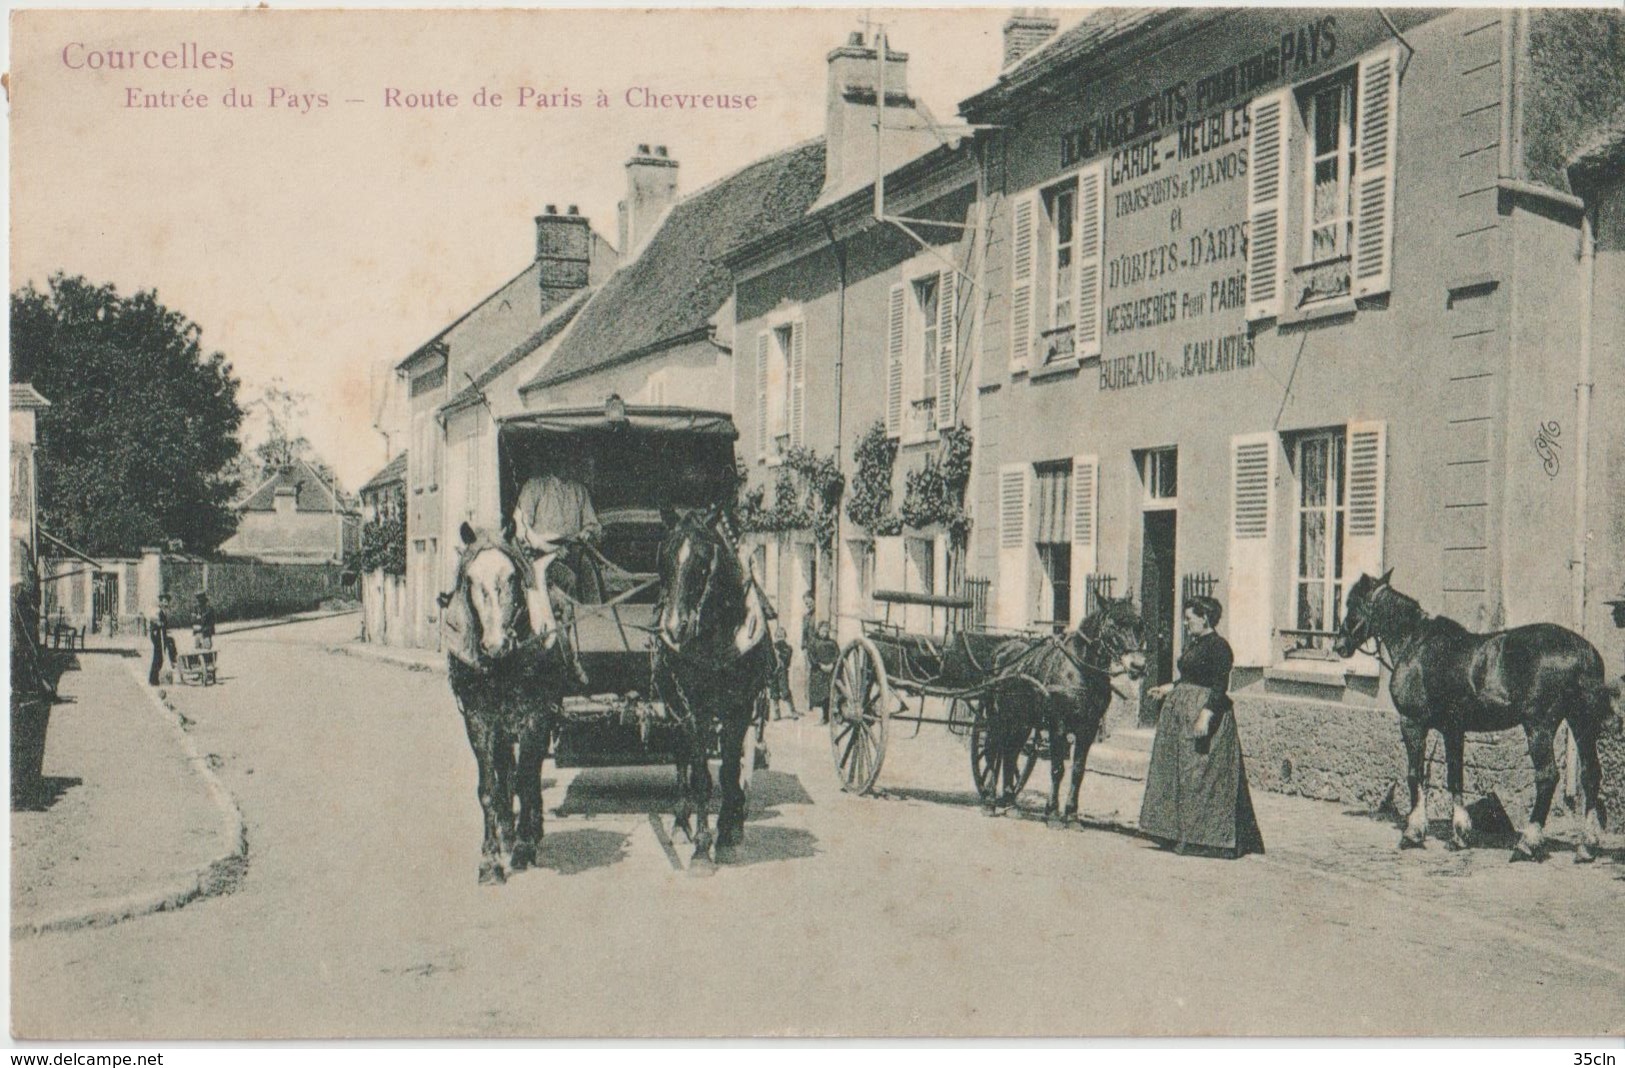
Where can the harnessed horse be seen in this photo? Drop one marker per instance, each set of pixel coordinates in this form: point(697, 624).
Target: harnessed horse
point(1445, 678)
point(711, 659)
point(508, 673)
point(1070, 679)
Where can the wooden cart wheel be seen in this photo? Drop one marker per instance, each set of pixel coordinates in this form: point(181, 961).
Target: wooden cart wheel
point(987, 764)
point(858, 700)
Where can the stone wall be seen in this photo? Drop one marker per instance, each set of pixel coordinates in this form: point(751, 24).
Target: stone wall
point(1335, 752)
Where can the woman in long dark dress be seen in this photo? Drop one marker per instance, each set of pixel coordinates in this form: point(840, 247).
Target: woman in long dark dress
point(1196, 796)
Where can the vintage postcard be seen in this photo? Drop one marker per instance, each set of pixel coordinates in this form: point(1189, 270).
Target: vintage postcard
point(817, 523)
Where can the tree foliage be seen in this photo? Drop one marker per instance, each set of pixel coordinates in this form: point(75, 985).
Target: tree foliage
point(139, 440)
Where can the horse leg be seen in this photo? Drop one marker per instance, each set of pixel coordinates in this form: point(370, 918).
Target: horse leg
point(1590, 799)
point(528, 772)
point(1415, 734)
point(699, 780)
point(731, 820)
point(1460, 823)
point(1057, 765)
point(1532, 844)
point(502, 793)
point(1080, 757)
point(479, 739)
point(685, 806)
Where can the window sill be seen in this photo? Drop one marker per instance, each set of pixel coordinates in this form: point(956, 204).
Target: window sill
point(1317, 310)
point(1056, 368)
point(1317, 672)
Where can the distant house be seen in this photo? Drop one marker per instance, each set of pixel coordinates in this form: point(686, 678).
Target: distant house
point(384, 495)
point(295, 517)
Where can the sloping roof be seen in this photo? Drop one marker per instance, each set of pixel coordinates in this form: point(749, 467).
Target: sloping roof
point(557, 319)
point(1104, 28)
point(314, 494)
point(394, 471)
point(676, 285)
point(25, 396)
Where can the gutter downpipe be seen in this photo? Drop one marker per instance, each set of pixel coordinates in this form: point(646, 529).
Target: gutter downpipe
point(1582, 416)
point(840, 360)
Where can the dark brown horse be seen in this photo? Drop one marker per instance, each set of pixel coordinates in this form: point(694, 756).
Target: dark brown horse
point(1064, 685)
point(508, 674)
point(1445, 678)
point(712, 657)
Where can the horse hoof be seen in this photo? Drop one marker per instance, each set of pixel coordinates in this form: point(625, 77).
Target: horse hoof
point(1456, 843)
point(702, 864)
point(727, 852)
point(491, 874)
point(681, 823)
point(1583, 854)
point(524, 856)
point(1409, 842)
point(1522, 852)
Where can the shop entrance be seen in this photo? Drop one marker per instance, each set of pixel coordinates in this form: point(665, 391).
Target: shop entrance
point(1157, 605)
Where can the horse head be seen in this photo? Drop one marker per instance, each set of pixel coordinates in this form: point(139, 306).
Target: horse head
point(494, 595)
point(1117, 635)
point(701, 582)
point(1358, 625)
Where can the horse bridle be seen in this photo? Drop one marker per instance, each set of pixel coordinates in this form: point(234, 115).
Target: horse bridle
point(1368, 635)
point(511, 640)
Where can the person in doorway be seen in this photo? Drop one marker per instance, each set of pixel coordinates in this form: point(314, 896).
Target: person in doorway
point(163, 645)
point(821, 657)
point(202, 622)
point(782, 694)
point(809, 633)
point(1196, 796)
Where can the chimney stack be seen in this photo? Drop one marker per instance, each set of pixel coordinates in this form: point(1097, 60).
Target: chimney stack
point(651, 188)
point(850, 112)
point(1025, 31)
point(563, 252)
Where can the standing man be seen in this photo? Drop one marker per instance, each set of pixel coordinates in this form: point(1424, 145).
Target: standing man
point(203, 623)
point(162, 644)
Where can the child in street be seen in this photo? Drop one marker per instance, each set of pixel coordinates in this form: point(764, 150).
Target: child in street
point(782, 694)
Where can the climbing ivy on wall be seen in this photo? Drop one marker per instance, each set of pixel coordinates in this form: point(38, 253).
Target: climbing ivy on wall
point(870, 504)
point(806, 496)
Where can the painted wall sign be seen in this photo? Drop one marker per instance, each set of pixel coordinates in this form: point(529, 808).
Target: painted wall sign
point(1174, 272)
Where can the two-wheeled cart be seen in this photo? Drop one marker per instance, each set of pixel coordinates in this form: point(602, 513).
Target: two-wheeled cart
point(887, 667)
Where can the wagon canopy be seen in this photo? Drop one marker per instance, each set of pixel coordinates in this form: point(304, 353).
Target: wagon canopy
point(642, 458)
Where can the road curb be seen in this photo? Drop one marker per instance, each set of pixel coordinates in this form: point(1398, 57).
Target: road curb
point(221, 875)
point(363, 653)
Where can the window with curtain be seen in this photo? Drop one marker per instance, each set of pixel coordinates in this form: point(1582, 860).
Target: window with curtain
point(1052, 537)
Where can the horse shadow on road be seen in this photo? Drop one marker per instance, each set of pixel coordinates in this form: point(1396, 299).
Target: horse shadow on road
point(586, 849)
point(633, 792)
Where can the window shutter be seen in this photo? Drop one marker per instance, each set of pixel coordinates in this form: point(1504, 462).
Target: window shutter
point(1090, 253)
point(894, 363)
point(1251, 608)
point(761, 395)
point(1378, 111)
point(1021, 281)
point(798, 384)
point(947, 349)
point(1367, 453)
point(1266, 204)
point(1012, 592)
point(1085, 551)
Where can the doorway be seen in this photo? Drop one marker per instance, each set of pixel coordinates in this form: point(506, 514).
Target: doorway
point(105, 603)
point(1157, 585)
